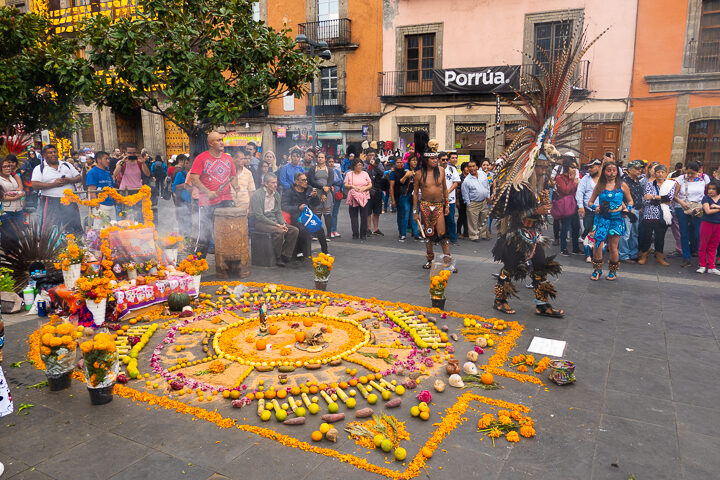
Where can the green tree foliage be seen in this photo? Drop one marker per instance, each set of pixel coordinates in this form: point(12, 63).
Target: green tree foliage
point(198, 63)
point(35, 90)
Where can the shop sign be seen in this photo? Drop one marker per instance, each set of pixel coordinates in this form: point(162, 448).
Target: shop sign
point(500, 79)
point(281, 132)
point(241, 139)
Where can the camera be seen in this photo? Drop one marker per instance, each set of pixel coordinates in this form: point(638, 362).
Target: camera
point(132, 157)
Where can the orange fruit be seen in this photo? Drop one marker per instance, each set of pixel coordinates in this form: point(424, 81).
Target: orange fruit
point(425, 415)
point(486, 378)
point(260, 395)
point(427, 452)
point(133, 321)
point(295, 390)
point(307, 322)
point(282, 393)
point(300, 336)
point(273, 329)
point(226, 394)
point(343, 385)
point(353, 382)
point(313, 389)
point(323, 386)
point(250, 396)
point(260, 344)
point(270, 394)
point(328, 329)
point(249, 339)
point(235, 394)
point(316, 436)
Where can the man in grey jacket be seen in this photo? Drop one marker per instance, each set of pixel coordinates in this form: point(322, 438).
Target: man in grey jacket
point(265, 207)
point(476, 191)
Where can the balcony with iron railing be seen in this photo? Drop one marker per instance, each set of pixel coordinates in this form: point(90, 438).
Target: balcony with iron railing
point(412, 83)
point(335, 32)
point(66, 20)
point(328, 103)
point(707, 58)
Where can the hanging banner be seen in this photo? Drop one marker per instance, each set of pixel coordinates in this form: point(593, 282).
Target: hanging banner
point(241, 139)
point(500, 79)
point(281, 132)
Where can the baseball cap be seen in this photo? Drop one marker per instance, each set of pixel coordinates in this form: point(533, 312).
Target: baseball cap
point(636, 164)
point(595, 161)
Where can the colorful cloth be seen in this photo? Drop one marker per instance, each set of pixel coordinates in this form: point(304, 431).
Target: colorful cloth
point(431, 212)
point(610, 223)
point(6, 402)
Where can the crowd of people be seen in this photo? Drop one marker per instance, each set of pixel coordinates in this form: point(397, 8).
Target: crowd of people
point(598, 207)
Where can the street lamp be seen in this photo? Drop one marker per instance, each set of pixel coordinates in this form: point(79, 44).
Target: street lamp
point(325, 55)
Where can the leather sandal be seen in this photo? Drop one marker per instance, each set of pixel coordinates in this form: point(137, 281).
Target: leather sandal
point(547, 310)
point(503, 307)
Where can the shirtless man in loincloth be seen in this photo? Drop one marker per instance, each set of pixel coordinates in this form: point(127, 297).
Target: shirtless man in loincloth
point(432, 207)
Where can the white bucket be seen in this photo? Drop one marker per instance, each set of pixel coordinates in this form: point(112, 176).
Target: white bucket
point(97, 310)
point(71, 275)
point(196, 284)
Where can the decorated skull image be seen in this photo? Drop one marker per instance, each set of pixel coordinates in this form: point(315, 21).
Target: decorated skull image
point(174, 285)
point(140, 293)
point(120, 297)
point(161, 288)
point(130, 294)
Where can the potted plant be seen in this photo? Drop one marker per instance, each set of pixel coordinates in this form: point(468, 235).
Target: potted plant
point(57, 350)
point(131, 269)
point(100, 363)
point(322, 266)
point(193, 265)
point(70, 260)
point(94, 292)
point(171, 244)
point(438, 284)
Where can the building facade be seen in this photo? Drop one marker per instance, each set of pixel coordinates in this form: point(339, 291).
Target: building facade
point(443, 70)
point(346, 106)
point(676, 82)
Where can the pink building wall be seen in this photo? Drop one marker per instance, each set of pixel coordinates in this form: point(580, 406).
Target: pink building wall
point(480, 33)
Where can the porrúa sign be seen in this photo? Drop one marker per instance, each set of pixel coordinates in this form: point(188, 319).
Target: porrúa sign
point(500, 79)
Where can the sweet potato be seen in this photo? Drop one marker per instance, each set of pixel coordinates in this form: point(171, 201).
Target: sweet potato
point(394, 403)
point(333, 417)
point(364, 413)
point(295, 421)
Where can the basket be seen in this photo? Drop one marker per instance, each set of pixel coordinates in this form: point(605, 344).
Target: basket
point(59, 382)
point(562, 372)
point(438, 303)
point(102, 395)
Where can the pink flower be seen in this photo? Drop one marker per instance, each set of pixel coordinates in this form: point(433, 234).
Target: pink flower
point(450, 349)
point(479, 350)
point(424, 396)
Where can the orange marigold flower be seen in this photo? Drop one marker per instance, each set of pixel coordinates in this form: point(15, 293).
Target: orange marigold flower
point(504, 419)
point(529, 360)
point(527, 431)
point(522, 368)
point(494, 433)
point(515, 415)
point(505, 413)
point(512, 436)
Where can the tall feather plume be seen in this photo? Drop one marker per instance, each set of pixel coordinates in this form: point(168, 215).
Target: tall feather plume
point(542, 99)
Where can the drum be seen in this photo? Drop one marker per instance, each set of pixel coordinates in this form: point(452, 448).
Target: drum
point(232, 249)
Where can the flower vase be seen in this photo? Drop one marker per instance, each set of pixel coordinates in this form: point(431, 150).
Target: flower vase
point(102, 395)
point(71, 275)
point(438, 303)
point(153, 271)
point(172, 254)
point(58, 382)
point(321, 285)
point(132, 274)
point(196, 284)
point(97, 310)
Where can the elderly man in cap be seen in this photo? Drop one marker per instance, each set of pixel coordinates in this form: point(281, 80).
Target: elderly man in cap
point(628, 246)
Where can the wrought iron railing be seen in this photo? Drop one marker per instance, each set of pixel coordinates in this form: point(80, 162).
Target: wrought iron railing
point(420, 82)
point(334, 32)
point(327, 103)
point(707, 58)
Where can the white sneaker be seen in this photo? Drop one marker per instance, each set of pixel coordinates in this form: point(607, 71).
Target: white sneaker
point(701, 270)
point(2, 469)
point(714, 271)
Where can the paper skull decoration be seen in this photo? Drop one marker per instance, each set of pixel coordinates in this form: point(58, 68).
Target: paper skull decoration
point(470, 368)
point(456, 381)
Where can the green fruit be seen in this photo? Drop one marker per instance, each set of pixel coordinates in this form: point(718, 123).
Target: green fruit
point(386, 445)
point(415, 411)
point(386, 395)
point(350, 403)
point(378, 439)
point(400, 454)
point(314, 408)
point(265, 415)
point(333, 407)
point(280, 415)
point(300, 412)
point(176, 301)
point(372, 399)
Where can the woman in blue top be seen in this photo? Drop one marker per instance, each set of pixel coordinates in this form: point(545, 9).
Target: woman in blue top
point(613, 197)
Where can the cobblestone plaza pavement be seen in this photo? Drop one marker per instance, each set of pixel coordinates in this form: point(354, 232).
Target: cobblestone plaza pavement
point(644, 404)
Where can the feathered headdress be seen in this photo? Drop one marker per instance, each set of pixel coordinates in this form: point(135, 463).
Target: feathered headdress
point(15, 142)
point(543, 100)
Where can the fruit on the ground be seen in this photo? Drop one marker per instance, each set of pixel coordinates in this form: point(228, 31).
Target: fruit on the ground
point(350, 403)
point(400, 454)
point(265, 415)
point(414, 411)
point(280, 415)
point(176, 301)
point(399, 390)
point(425, 415)
point(316, 436)
point(333, 408)
point(486, 378)
point(314, 408)
point(386, 445)
point(386, 395)
point(261, 344)
point(372, 399)
point(427, 452)
point(300, 412)
point(324, 427)
point(423, 407)
point(377, 439)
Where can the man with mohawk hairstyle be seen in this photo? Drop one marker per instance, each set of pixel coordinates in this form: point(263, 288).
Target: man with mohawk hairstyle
point(521, 199)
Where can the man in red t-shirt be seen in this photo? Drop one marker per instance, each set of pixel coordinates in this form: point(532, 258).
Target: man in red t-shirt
point(212, 172)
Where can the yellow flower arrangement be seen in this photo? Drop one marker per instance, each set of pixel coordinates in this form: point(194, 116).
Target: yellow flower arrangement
point(72, 254)
point(171, 241)
point(193, 265)
point(323, 265)
point(95, 289)
point(438, 284)
point(143, 195)
point(100, 360)
point(57, 344)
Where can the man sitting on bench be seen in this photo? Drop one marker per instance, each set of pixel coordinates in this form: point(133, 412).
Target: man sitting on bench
point(265, 207)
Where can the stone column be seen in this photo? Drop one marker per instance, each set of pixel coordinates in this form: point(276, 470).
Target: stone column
point(153, 127)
